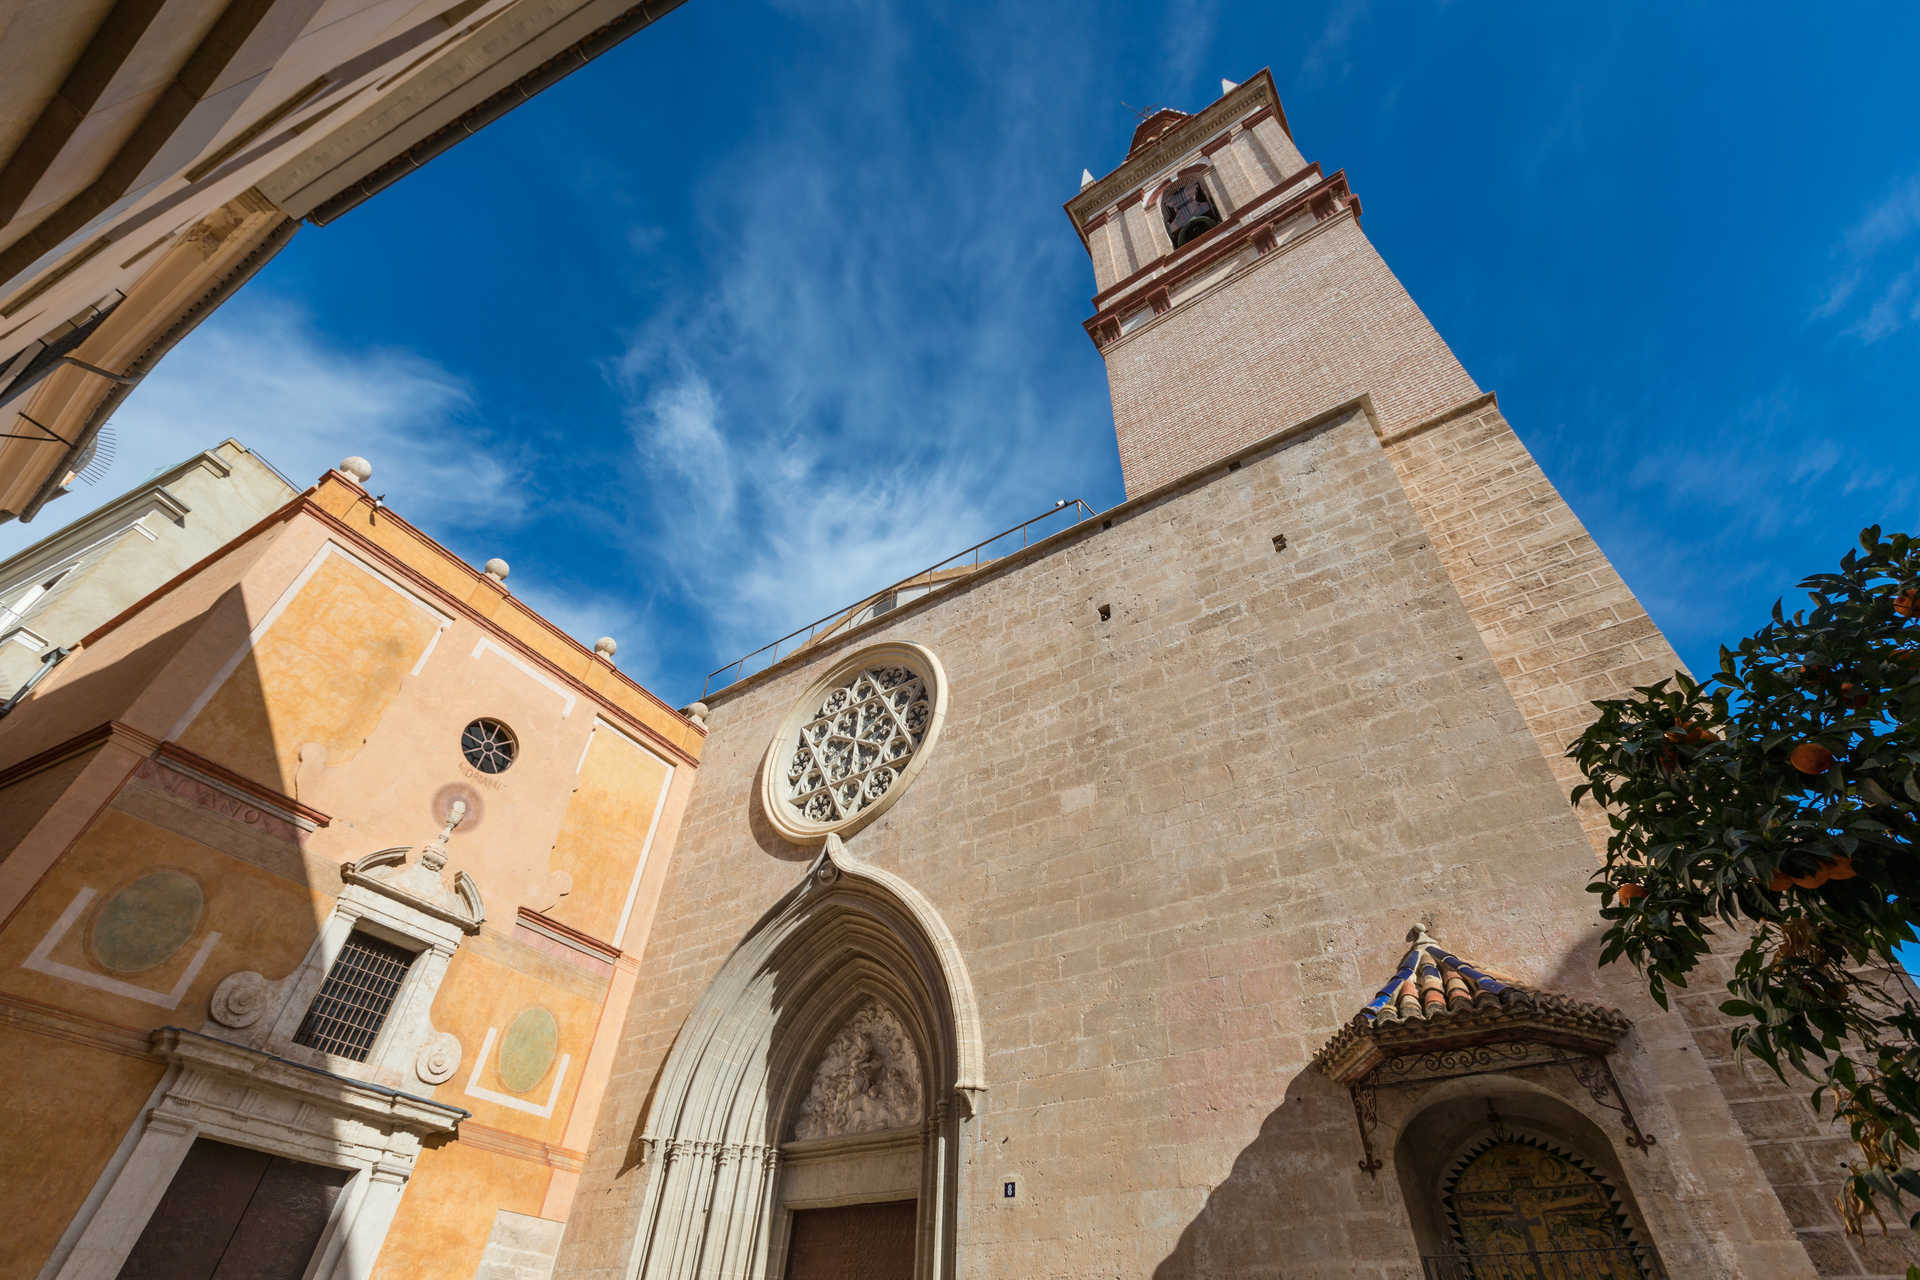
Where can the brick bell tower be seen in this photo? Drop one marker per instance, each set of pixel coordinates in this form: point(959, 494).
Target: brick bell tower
point(1237, 297)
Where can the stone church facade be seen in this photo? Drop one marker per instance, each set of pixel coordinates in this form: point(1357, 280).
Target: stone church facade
point(1195, 893)
point(1190, 893)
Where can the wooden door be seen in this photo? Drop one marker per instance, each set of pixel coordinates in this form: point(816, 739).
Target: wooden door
point(232, 1213)
point(853, 1242)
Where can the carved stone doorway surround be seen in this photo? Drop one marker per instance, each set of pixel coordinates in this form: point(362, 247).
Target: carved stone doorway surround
point(851, 946)
point(243, 1080)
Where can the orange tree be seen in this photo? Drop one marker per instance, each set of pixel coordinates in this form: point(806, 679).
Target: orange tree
point(1774, 806)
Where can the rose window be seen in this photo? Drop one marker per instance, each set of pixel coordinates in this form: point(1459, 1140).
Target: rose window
point(855, 743)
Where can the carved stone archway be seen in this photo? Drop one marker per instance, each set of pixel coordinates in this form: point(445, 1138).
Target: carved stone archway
point(848, 938)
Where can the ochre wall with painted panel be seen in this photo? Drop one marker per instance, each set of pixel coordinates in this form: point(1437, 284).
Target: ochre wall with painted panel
point(318, 682)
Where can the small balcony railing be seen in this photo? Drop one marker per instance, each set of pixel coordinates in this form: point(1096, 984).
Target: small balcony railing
point(1544, 1264)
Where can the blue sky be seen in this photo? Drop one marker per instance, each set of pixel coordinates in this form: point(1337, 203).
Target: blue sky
point(776, 302)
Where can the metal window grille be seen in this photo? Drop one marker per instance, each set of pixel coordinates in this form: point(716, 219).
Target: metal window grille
point(355, 997)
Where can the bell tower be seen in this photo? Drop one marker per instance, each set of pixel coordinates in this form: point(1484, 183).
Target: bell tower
point(1237, 295)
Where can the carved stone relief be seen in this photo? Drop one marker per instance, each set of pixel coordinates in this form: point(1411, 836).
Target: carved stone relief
point(858, 739)
point(868, 1079)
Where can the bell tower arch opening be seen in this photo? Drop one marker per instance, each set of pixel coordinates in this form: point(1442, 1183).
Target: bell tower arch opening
point(813, 1106)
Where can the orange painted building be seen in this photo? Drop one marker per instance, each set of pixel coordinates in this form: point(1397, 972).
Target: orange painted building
point(325, 871)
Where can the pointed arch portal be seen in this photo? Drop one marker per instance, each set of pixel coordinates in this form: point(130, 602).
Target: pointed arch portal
point(850, 951)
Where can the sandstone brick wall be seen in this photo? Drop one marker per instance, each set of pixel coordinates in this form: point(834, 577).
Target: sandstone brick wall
point(1802, 1153)
point(1563, 627)
point(1177, 848)
point(1316, 323)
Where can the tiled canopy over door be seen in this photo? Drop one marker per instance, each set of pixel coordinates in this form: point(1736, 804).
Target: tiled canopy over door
point(235, 1214)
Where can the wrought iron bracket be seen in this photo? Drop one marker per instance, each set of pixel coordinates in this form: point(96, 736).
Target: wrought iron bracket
point(1366, 1115)
point(1595, 1075)
point(1592, 1072)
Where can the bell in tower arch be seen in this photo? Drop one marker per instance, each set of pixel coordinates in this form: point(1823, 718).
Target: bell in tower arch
point(1188, 211)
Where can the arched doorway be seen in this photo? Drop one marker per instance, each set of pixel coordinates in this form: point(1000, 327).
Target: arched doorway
point(1505, 1181)
point(814, 1103)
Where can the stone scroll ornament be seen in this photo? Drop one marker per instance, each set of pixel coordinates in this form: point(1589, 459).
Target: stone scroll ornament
point(240, 999)
point(868, 1080)
point(853, 741)
point(438, 1058)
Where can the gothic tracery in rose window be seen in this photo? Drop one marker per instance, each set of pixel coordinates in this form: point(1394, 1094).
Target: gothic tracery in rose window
point(855, 745)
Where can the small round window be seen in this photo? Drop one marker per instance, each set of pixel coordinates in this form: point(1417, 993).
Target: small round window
point(489, 746)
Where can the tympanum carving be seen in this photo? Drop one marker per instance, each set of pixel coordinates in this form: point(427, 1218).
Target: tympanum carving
point(868, 1079)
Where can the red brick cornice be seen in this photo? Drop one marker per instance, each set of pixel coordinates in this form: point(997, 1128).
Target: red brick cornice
point(567, 935)
point(142, 744)
point(499, 1141)
point(74, 1027)
point(1327, 199)
point(399, 568)
point(174, 753)
point(1212, 239)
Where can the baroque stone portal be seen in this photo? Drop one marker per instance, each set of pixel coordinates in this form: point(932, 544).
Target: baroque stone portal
point(868, 1079)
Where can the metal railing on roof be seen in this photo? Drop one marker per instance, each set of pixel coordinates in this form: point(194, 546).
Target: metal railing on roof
point(930, 579)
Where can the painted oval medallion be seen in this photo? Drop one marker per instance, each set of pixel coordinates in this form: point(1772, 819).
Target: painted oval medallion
point(528, 1048)
point(145, 922)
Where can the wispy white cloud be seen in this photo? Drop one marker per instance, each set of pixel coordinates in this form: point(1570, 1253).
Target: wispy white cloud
point(1872, 290)
point(1893, 308)
point(258, 371)
point(852, 388)
point(1327, 57)
point(1888, 222)
point(1190, 28)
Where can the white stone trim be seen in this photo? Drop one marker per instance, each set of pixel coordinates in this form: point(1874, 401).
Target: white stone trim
point(421, 662)
point(398, 894)
point(40, 960)
point(475, 1089)
point(242, 1079)
point(566, 695)
point(279, 607)
point(653, 823)
point(277, 1107)
point(27, 637)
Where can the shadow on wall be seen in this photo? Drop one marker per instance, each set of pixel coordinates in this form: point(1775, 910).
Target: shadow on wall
point(1257, 1223)
point(1297, 1203)
point(176, 883)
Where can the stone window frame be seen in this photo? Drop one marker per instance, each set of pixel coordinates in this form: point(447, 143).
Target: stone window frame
point(774, 804)
point(242, 1080)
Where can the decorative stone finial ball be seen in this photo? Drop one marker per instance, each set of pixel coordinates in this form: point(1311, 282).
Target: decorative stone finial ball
point(696, 712)
point(605, 647)
point(497, 569)
point(357, 467)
